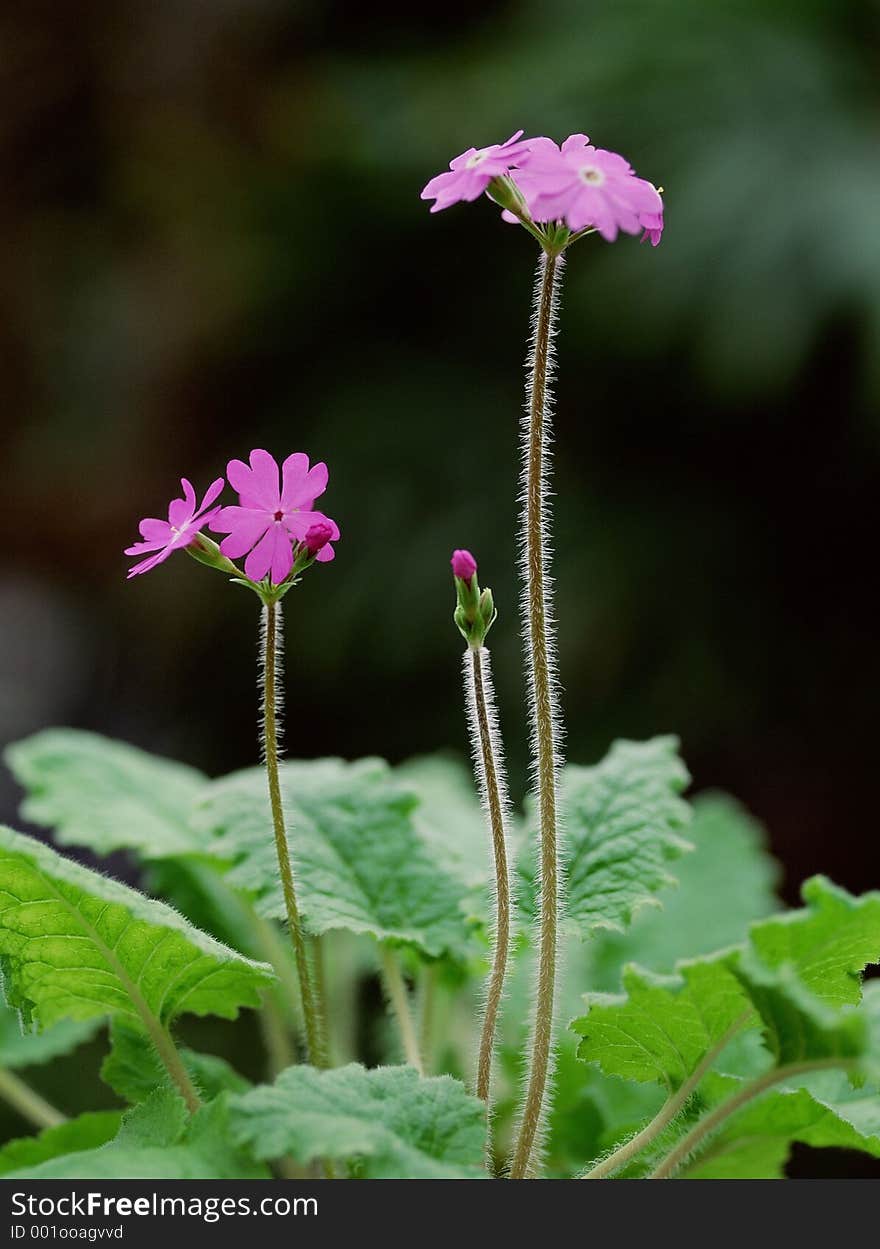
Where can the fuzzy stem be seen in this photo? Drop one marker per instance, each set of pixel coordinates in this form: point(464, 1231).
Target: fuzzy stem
point(29, 1104)
point(271, 636)
point(488, 759)
point(667, 1112)
point(712, 1121)
point(427, 1011)
point(397, 996)
point(543, 695)
point(174, 1064)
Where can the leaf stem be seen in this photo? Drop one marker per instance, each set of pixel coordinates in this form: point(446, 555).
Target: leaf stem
point(271, 657)
point(29, 1104)
point(668, 1111)
point(397, 996)
point(493, 791)
point(427, 1012)
point(543, 697)
point(712, 1121)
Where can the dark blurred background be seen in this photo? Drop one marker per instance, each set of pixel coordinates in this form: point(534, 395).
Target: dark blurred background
point(212, 240)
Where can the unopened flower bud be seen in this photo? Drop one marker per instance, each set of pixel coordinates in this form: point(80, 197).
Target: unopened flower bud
point(317, 536)
point(475, 608)
point(464, 565)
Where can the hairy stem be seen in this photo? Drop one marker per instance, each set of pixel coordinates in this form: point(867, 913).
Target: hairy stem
point(29, 1104)
point(397, 996)
point(489, 764)
point(667, 1112)
point(271, 653)
point(543, 696)
point(712, 1121)
point(427, 1011)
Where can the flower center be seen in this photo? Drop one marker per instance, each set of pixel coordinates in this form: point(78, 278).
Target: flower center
point(279, 515)
point(592, 176)
point(477, 158)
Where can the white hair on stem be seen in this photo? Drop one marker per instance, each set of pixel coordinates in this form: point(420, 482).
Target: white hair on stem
point(543, 694)
point(488, 756)
point(277, 684)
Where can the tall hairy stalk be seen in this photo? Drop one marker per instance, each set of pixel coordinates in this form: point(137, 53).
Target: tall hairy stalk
point(270, 655)
point(489, 766)
point(543, 692)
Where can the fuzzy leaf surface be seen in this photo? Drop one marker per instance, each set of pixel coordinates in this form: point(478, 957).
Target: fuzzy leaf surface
point(395, 1123)
point(105, 794)
point(75, 945)
point(622, 822)
point(157, 1141)
point(358, 859)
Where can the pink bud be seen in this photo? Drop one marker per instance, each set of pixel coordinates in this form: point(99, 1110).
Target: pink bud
point(317, 536)
point(463, 565)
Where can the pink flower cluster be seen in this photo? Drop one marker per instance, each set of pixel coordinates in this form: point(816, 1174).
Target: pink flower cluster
point(578, 184)
point(274, 523)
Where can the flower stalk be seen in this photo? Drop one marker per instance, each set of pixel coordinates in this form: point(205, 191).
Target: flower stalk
point(493, 791)
point(543, 694)
point(271, 658)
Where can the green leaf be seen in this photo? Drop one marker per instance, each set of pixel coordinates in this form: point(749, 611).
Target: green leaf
point(359, 861)
point(829, 943)
point(797, 1026)
point(661, 1028)
point(756, 1142)
point(622, 823)
point(75, 945)
point(104, 794)
point(448, 817)
point(726, 883)
point(88, 1131)
point(157, 1141)
point(134, 1070)
point(24, 1047)
point(397, 1124)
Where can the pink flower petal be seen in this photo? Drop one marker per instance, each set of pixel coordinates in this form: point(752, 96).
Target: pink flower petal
point(155, 530)
point(282, 555)
point(214, 491)
point(259, 481)
point(259, 561)
point(302, 485)
point(245, 531)
point(147, 564)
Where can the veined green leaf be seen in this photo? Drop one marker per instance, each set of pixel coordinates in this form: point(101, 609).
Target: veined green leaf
point(75, 945)
point(358, 860)
point(157, 1141)
point(662, 1028)
point(622, 822)
point(25, 1047)
point(797, 1026)
point(725, 884)
point(828, 943)
point(104, 794)
point(87, 1131)
point(448, 817)
point(134, 1070)
point(756, 1142)
point(395, 1123)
